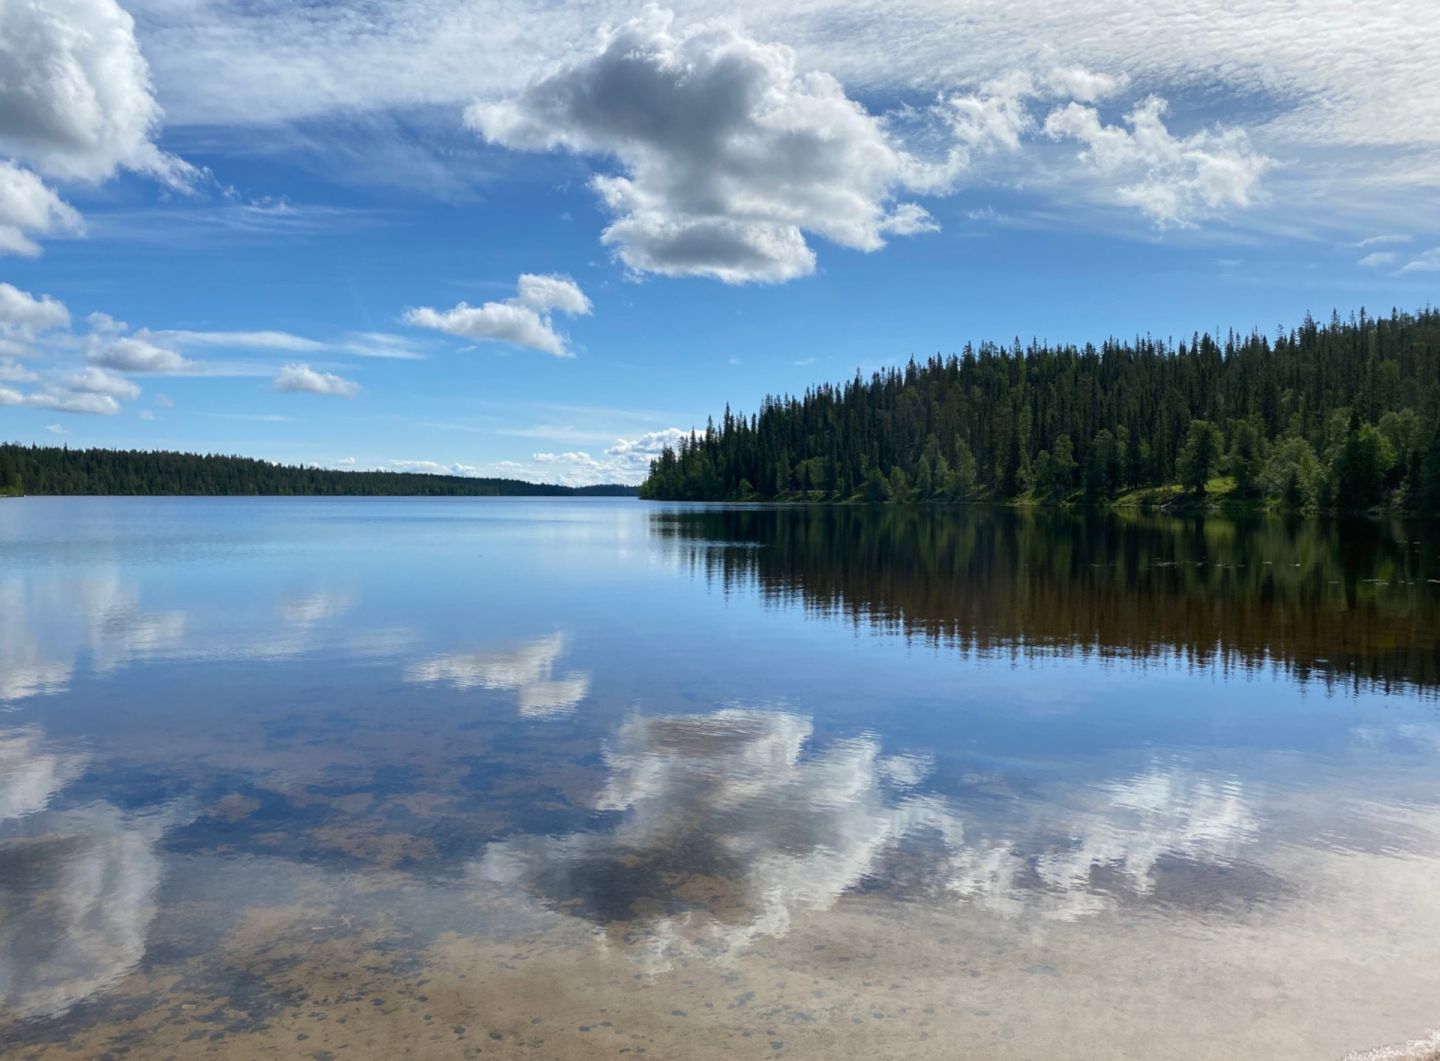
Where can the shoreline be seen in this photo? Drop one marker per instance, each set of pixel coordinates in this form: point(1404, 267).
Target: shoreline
point(1426, 1049)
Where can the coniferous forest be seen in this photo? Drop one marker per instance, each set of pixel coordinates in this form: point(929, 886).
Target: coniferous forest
point(59, 470)
point(1340, 416)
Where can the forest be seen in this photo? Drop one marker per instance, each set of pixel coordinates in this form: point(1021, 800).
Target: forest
point(61, 470)
point(1337, 416)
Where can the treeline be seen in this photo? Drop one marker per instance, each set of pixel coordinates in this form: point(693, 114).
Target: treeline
point(61, 470)
point(1343, 602)
point(1338, 416)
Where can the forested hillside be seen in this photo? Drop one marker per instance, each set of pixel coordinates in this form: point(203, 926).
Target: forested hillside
point(1344, 415)
point(57, 470)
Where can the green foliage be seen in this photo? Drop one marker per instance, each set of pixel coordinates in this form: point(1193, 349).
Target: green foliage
point(877, 488)
point(57, 470)
point(1292, 475)
point(10, 482)
point(1359, 469)
point(899, 485)
point(995, 416)
point(1199, 458)
point(1247, 457)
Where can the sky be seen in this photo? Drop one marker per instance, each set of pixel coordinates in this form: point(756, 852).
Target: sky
point(540, 240)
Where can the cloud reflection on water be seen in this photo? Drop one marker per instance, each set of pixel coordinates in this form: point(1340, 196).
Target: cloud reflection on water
point(78, 886)
point(732, 823)
point(528, 670)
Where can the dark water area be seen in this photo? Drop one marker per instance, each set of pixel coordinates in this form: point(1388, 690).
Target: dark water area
point(595, 777)
point(1341, 601)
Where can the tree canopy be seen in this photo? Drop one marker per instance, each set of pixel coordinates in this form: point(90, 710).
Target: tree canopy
point(61, 470)
point(1344, 414)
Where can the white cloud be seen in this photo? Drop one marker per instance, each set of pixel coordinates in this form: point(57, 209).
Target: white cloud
point(529, 671)
point(28, 207)
point(1377, 259)
point(304, 379)
point(88, 390)
point(1428, 262)
point(132, 353)
point(12, 371)
point(1376, 241)
point(544, 293)
point(93, 380)
point(146, 414)
point(524, 320)
point(75, 96)
point(424, 467)
point(627, 461)
point(62, 401)
point(1316, 82)
point(25, 315)
point(57, 429)
point(1175, 181)
point(361, 344)
point(251, 340)
point(730, 153)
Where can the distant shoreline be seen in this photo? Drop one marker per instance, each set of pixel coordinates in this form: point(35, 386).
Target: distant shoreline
point(58, 471)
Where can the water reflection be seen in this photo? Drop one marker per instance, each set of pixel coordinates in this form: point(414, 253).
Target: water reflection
point(26, 667)
point(78, 885)
point(528, 670)
point(30, 773)
point(1114, 842)
point(730, 824)
point(339, 828)
point(1357, 601)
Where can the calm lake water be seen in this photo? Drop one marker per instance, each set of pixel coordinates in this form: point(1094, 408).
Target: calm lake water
point(377, 778)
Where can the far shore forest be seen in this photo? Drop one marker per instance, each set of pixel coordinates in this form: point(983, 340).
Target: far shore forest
point(61, 470)
point(1342, 416)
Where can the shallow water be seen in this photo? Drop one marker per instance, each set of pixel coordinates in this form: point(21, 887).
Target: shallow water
point(593, 778)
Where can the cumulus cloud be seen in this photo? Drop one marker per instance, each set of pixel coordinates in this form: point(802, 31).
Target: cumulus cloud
point(627, 461)
point(11, 371)
point(545, 293)
point(1318, 81)
point(525, 320)
point(23, 314)
point(132, 353)
point(729, 153)
point(61, 400)
point(28, 208)
point(529, 671)
point(93, 380)
point(300, 378)
point(1174, 181)
point(75, 93)
point(426, 467)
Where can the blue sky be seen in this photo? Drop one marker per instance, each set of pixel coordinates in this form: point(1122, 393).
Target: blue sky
point(535, 241)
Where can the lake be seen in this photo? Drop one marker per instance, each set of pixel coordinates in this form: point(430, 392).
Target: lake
point(575, 778)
